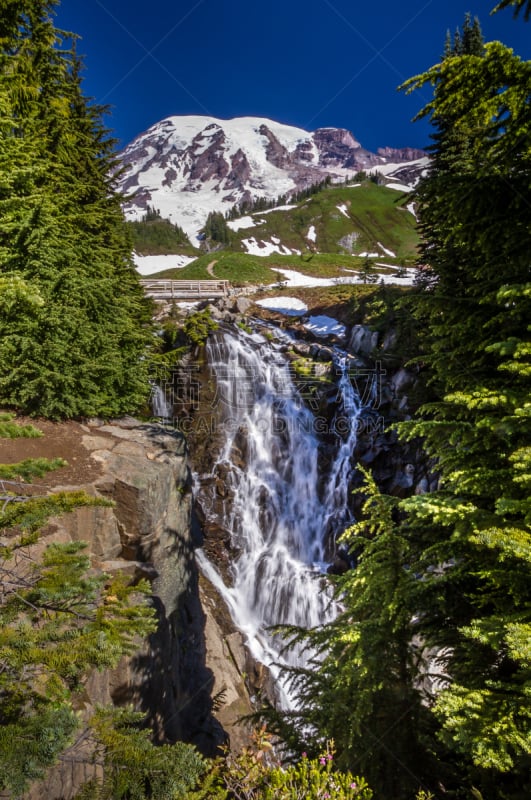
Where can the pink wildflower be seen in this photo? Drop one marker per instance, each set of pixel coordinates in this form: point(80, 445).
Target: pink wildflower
point(322, 760)
point(353, 785)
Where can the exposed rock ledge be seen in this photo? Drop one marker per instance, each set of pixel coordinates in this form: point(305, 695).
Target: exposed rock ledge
point(149, 532)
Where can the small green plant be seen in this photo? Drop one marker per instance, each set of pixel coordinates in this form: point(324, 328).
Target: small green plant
point(257, 774)
point(303, 367)
point(10, 430)
point(198, 326)
point(30, 468)
point(244, 327)
point(367, 272)
point(169, 346)
point(135, 768)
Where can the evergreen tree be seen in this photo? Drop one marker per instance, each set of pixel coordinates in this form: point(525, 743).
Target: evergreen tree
point(472, 37)
point(135, 769)
point(57, 621)
point(473, 535)
point(60, 620)
point(448, 46)
point(457, 48)
point(518, 6)
point(359, 688)
point(154, 235)
point(367, 273)
point(455, 576)
point(62, 231)
point(216, 228)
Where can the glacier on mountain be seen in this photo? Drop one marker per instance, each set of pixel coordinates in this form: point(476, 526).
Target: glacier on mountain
point(189, 166)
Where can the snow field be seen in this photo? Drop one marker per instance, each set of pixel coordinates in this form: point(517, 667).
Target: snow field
point(148, 265)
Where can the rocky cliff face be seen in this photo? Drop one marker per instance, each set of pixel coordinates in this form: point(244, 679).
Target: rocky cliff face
point(399, 155)
point(148, 533)
point(189, 166)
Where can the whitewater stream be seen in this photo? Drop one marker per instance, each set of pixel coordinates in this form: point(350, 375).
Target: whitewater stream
point(284, 506)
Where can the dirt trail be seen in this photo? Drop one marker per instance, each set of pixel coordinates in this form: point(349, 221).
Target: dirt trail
point(210, 267)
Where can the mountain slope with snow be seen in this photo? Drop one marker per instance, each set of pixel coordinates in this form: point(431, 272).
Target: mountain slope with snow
point(351, 219)
point(189, 166)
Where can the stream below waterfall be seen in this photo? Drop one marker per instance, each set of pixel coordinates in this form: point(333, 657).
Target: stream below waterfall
point(284, 503)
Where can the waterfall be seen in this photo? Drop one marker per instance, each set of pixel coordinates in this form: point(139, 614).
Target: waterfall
point(159, 405)
point(281, 508)
point(345, 423)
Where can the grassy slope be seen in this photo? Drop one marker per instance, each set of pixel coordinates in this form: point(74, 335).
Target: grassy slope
point(375, 213)
point(159, 237)
point(240, 268)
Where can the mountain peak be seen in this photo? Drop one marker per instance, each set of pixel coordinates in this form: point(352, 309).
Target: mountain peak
point(188, 166)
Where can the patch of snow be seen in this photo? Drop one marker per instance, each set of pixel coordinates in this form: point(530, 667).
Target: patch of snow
point(147, 265)
point(367, 255)
point(399, 187)
point(387, 169)
point(407, 280)
point(343, 209)
point(264, 248)
point(411, 208)
point(386, 251)
point(243, 222)
point(297, 279)
point(294, 278)
point(312, 235)
point(325, 326)
point(277, 208)
point(291, 306)
point(259, 249)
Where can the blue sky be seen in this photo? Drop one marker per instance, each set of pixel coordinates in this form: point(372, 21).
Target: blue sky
point(309, 63)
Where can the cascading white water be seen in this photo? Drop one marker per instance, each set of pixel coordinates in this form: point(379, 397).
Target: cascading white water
point(350, 406)
point(159, 405)
point(279, 513)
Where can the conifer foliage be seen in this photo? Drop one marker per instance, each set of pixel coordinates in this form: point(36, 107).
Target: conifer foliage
point(216, 229)
point(437, 611)
point(153, 235)
point(359, 687)
point(475, 219)
point(57, 621)
point(74, 322)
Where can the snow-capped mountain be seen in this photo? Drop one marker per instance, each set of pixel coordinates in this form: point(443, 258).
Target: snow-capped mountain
point(189, 166)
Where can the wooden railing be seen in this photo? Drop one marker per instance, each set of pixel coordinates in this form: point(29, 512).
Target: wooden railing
point(161, 289)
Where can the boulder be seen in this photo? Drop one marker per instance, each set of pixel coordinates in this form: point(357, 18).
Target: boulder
point(402, 380)
point(241, 305)
point(362, 340)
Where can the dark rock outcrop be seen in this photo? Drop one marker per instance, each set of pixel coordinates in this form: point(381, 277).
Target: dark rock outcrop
point(148, 533)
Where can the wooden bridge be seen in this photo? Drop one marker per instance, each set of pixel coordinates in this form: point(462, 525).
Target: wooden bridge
point(160, 289)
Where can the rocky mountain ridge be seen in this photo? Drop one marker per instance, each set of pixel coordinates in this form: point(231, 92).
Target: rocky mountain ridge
point(189, 166)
